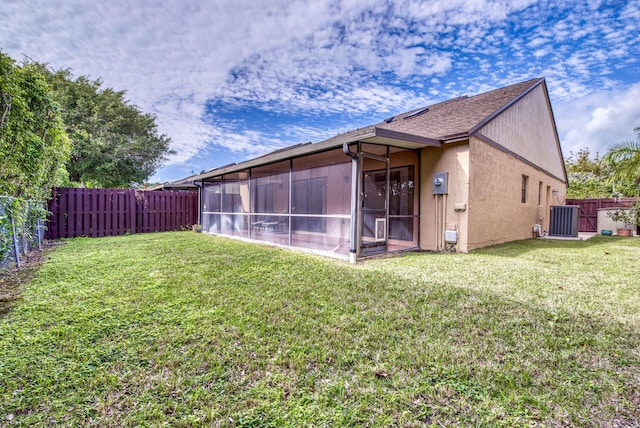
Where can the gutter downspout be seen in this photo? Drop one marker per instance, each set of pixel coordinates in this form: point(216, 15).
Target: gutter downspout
point(353, 250)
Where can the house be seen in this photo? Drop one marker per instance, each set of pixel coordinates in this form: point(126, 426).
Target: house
point(457, 175)
point(183, 185)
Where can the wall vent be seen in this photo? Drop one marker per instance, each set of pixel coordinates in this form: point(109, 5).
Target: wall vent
point(563, 220)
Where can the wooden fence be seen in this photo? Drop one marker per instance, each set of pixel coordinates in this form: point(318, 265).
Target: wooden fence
point(588, 211)
point(109, 212)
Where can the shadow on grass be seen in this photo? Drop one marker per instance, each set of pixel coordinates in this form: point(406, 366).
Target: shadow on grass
point(516, 248)
point(12, 279)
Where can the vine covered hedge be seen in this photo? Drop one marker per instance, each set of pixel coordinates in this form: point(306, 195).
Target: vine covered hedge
point(33, 143)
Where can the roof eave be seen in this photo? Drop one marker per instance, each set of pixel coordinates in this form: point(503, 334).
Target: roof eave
point(370, 134)
point(404, 140)
point(295, 151)
point(454, 138)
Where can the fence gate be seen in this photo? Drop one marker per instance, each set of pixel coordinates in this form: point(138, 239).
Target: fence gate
point(588, 211)
point(108, 212)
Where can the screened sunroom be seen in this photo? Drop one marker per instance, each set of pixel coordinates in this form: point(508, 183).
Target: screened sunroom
point(304, 198)
point(302, 202)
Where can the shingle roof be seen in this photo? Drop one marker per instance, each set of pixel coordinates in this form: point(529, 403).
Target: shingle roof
point(432, 125)
point(457, 116)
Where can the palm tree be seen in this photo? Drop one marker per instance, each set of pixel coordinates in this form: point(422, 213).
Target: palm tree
point(624, 160)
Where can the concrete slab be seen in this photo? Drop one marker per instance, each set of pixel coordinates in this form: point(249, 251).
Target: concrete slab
point(582, 236)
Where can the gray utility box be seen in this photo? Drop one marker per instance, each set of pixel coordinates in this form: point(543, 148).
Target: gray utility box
point(440, 183)
point(563, 220)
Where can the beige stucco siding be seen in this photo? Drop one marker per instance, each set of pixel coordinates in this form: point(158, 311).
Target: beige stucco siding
point(496, 212)
point(453, 159)
point(527, 129)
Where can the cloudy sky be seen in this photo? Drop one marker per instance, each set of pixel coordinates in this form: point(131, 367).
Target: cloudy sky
point(232, 79)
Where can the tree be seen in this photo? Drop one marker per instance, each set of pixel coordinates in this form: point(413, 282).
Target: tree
point(114, 143)
point(586, 176)
point(624, 161)
point(590, 178)
point(33, 144)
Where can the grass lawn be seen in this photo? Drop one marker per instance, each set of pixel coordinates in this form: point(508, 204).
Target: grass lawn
point(186, 329)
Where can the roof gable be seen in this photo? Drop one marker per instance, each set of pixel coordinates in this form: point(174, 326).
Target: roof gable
point(459, 116)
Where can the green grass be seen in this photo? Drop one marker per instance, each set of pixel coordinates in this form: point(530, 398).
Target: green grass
point(185, 329)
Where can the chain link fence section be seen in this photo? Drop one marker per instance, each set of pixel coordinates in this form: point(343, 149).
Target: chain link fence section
point(22, 228)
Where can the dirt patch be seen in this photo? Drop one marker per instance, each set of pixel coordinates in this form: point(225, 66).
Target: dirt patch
point(12, 278)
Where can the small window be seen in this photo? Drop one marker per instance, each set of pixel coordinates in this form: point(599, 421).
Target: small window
point(540, 193)
point(525, 182)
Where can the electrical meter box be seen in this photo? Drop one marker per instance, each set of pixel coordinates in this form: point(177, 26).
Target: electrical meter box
point(450, 236)
point(440, 183)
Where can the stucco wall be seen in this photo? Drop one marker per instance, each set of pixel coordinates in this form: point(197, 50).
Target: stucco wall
point(496, 212)
point(454, 159)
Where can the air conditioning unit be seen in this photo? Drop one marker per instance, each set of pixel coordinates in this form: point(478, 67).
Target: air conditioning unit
point(563, 220)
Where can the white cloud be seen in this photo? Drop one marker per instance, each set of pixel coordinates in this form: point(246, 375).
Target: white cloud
point(335, 57)
point(541, 52)
point(172, 56)
point(598, 120)
point(456, 12)
point(538, 41)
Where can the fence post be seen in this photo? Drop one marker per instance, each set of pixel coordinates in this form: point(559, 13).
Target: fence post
point(132, 210)
point(63, 218)
point(38, 231)
point(113, 213)
point(16, 252)
point(79, 206)
point(93, 212)
point(51, 231)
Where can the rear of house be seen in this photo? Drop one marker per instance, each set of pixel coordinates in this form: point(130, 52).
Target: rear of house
point(461, 174)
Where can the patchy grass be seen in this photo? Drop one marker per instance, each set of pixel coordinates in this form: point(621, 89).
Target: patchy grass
point(184, 329)
point(11, 278)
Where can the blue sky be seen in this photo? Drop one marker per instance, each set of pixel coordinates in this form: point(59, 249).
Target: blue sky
point(232, 79)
